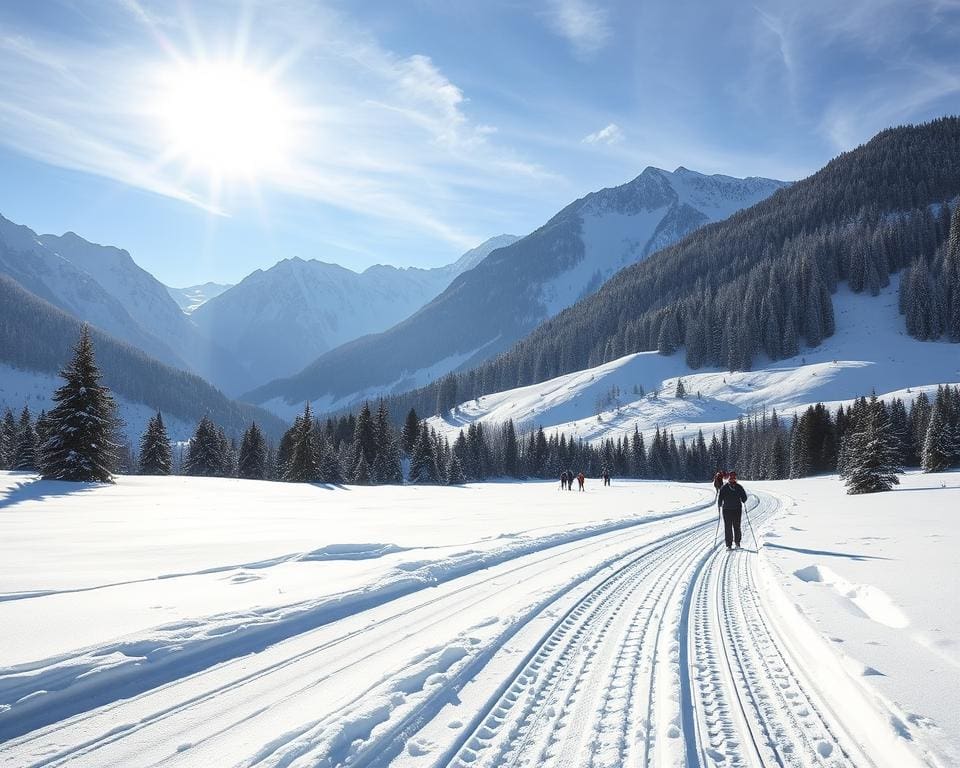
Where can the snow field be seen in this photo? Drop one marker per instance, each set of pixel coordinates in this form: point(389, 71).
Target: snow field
point(502, 624)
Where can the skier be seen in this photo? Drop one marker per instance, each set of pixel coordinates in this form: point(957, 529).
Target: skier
point(605, 476)
point(730, 500)
point(569, 479)
point(718, 480)
point(580, 479)
point(563, 480)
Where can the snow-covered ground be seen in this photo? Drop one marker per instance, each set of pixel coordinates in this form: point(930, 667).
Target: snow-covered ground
point(870, 351)
point(190, 621)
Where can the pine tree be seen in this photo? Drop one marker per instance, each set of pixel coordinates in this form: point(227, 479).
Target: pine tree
point(455, 475)
point(361, 473)
point(156, 455)
point(82, 446)
point(204, 453)
point(423, 463)
point(939, 446)
point(329, 467)
point(511, 451)
point(304, 464)
point(871, 459)
point(411, 432)
point(25, 452)
point(252, 460)
point(8, 439)
point(681, 392)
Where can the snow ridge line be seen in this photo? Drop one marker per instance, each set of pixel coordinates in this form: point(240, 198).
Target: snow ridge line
point(383, 751)
point(182, 659)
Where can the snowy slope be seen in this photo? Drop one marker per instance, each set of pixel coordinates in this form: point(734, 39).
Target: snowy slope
point(35, 389)
point(191, 297)
point(277, 320)
point(506, 295)
point(197, 622)
point(869, 352)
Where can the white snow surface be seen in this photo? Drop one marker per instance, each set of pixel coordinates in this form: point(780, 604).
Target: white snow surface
point(198, 622)
point(870, 351)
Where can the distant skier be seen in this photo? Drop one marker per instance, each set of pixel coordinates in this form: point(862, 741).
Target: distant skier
point(580, 479)
point(564, 479)
point(730, 500)
point(569, 479)
point(606, 476)
point(718, 480)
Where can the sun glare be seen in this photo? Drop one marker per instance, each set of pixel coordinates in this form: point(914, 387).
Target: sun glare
point(225, 118)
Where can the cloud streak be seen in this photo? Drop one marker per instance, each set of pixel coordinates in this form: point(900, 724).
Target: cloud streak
point(583, 23)
point(610, 134)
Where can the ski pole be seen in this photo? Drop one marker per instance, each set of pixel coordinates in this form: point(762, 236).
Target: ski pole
point(752, 532)
point(716, 535)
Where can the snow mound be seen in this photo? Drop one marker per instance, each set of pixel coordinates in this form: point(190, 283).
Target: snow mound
point(872, 602)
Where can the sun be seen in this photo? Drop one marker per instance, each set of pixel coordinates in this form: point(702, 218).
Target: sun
point(226, 118)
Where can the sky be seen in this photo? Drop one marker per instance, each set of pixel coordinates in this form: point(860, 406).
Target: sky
point(214, 138)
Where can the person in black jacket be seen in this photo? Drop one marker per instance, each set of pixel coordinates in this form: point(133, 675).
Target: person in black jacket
point(730, 500)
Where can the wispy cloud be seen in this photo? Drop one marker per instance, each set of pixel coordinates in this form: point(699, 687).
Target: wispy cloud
point(611, 134)
point(384, 135)
point(583, 23)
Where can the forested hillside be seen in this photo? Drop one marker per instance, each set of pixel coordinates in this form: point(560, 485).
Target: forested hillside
point(761, 281)
point(35, 335)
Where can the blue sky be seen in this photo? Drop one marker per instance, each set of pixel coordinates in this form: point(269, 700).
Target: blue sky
point(414, 130)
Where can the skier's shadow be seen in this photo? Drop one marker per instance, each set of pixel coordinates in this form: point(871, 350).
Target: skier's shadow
point(32, 488)
point(826, 553)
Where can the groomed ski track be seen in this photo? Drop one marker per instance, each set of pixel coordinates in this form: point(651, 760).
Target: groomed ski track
point(659, 650)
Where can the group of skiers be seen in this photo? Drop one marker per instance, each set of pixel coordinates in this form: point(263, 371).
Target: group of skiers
point(567, 477)
point(731, 496)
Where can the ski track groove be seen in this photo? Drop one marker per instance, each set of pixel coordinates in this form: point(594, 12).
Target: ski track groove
point(531, 560)
point(667, 659)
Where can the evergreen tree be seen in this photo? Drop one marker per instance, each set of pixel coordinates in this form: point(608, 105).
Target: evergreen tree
point(411, 432)
point(25, 452)
point(329, 468)
point(156, 454)
point(681, 389)
point(871, 458)
point(83, 426)
point(8, 439)
point(940, 450)
point(304, 464)
point(511, 451)
point(423, 463)
point(361, 473)
point(204, 453)
point(252, 459)
point(455, 475)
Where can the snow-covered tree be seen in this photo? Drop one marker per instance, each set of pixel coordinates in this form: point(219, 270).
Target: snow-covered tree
point(304, 464)
point(423, 461)
point(205, 451)
point(8, 439)
point(871, 455)
point(252, 459)
point(411, 431)
point(455, 475)
point(681, 390)
point(25, 451)
point(940, 448)
point(329, 468)
point(82, 445)
point(156, 455)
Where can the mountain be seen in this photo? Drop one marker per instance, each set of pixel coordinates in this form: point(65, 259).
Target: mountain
point(36, 341)
point(759, 286)
point(516, 287)
point(277, 320)
point(103, 285)
point(869, 352)
point(188, 299)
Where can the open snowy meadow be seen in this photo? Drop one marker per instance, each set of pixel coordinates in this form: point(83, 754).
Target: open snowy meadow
point(212, 622)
